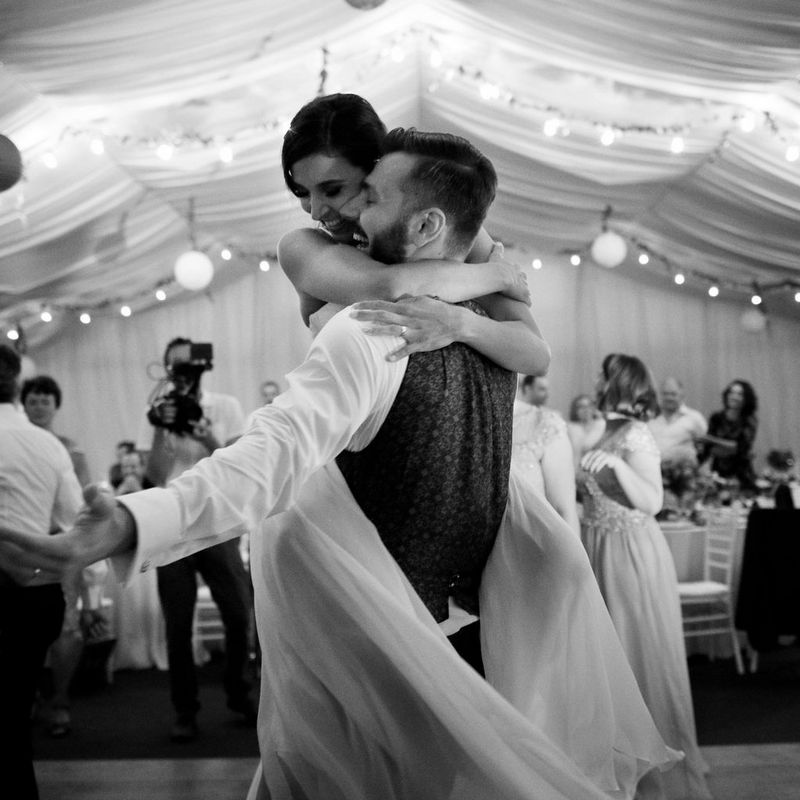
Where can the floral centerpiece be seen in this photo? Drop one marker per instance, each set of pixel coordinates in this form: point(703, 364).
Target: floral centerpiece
point(688, 488)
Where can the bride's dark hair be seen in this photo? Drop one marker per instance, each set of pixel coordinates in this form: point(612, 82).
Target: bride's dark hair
point(343, 125)
point(629, 387)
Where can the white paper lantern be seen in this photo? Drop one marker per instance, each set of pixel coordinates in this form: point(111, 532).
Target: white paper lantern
point(609, 249)
point(365, 5)
point(753, 320)
point(194, 270)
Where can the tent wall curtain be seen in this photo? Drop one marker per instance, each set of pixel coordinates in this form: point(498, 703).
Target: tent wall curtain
point(584, 312)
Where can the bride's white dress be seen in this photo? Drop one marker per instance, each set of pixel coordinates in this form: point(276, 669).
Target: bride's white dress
point(362, 697)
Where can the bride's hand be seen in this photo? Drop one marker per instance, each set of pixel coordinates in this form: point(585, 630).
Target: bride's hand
point(425, 323)
point(516, 279)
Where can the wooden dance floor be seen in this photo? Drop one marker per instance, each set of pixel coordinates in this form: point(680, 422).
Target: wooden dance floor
point(738, 772)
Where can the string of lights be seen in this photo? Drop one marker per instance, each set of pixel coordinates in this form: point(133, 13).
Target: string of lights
point(552, 120)
point(126, 306)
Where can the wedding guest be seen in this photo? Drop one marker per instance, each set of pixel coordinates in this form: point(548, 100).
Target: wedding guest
point(123, 448)
point(677, 427)
point(138, 620)
point(634, 567)
point(732, 431)
point(534, 390)
point(585, 425)
point(181, 428)
point(131, 473)
point(41, 398)
point(269, 390)
point(40, 495)
point(541, 450)
point(677, 431)
point(83, 592)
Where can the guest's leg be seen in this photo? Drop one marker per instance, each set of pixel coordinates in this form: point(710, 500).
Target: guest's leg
point(30, 619)
point(222, 569)
point(177, 589)
point(65, 655)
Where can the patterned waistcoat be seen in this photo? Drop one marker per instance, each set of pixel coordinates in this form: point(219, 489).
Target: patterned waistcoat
point(434, 481)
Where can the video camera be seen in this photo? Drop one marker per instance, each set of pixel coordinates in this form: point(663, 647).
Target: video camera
point(185, 362)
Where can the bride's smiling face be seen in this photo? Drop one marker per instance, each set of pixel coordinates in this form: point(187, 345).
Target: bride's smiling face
point(325, 185)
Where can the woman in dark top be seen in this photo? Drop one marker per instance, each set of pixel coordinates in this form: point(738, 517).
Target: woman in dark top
point(733, 429)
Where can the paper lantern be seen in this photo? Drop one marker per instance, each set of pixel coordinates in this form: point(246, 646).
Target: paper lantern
point(753, 320)
point(194, 270)
point(10, 163)
point(609, 249)
point(365, 5)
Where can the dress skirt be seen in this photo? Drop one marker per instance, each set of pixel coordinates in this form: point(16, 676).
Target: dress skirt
point(363, 697)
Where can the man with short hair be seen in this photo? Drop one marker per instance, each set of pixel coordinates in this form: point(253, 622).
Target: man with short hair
point(269, 391)
point(386, 481)
point(182, 428)
point(677, 427)
point(40, 495)
point(534, 390)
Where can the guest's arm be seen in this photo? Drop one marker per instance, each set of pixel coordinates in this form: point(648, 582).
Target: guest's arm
point(638, 474)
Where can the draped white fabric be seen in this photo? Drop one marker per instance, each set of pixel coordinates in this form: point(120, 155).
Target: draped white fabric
point(100, 230)
point(201, 74)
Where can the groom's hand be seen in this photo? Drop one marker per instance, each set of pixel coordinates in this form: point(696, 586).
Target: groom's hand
point(103, 528)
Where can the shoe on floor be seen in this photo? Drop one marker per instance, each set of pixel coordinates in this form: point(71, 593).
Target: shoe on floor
point(60, 722)
point(246, 707)
point(184, 729)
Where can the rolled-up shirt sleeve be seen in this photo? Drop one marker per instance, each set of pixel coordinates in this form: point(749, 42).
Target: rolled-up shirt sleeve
point(344, 386)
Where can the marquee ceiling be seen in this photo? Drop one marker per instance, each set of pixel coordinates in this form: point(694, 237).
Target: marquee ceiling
point(145, 127)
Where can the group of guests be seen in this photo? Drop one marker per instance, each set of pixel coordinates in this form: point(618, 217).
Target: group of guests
point(721, 445)
point(390, 535)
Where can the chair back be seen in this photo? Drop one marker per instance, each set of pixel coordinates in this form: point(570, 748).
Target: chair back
point(720, 543)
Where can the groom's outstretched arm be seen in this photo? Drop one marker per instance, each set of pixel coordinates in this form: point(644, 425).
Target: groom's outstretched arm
point(344, 383)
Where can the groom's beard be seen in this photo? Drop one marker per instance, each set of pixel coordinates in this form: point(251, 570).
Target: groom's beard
point(390, 246)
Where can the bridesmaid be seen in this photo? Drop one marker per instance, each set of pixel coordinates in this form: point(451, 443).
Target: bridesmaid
point(621, 477)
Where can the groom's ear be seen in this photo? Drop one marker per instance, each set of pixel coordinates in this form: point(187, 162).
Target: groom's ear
point(427, 225)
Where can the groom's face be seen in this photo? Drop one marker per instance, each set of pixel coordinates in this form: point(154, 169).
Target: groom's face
point(385, 218)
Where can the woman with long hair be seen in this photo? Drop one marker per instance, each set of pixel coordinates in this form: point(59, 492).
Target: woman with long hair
point(621, 479)
point(732, 430)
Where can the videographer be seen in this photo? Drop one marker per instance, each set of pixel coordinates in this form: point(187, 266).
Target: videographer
point(184, 425)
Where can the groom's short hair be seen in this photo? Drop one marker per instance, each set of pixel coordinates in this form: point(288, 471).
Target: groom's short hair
point(450, 173)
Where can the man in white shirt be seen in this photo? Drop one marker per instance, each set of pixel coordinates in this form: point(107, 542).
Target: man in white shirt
point(361, 695)
point(677, 427)
point(40, 495)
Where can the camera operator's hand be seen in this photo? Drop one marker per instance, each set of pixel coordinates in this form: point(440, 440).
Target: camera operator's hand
point(201, 430)
point(168, 412)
